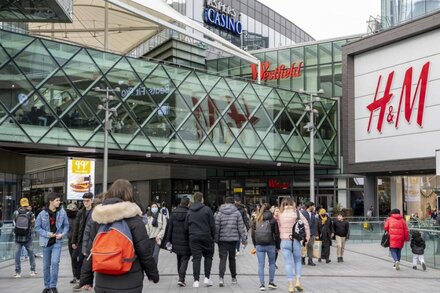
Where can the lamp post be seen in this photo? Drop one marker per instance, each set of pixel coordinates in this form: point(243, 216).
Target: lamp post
point(310, 126)
point(107, 126)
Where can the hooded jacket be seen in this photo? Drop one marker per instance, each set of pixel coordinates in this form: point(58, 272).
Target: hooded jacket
point(229, 225)
point(397, 229)
point(417, 244)
point(268, 216)
point(114, 209)
point(177, 235)
point(200, 222)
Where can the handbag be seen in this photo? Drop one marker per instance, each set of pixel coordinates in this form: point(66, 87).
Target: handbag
point(385, 242)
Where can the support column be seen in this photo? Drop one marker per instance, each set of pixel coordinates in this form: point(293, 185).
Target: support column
point(370, 191)
point(342, 192)
point(396, 193)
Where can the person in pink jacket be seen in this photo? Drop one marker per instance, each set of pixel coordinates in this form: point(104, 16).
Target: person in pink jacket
point(291, 249)
point(397, 230)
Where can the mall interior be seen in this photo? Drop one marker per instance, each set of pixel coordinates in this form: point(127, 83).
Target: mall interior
point(208, 96)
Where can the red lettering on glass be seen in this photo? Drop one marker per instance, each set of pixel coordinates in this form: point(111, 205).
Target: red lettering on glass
point(280, 72)
point(275, 184)
point(383, 102)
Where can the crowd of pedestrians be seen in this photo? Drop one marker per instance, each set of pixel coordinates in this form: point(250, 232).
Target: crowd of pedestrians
point(191, 230)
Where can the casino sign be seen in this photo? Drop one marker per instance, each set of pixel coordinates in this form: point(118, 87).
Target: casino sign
point(223, 16)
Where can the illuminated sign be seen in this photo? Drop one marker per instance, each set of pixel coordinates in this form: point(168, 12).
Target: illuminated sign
point(223, 16)
point(280, 72)
point(80, 178)
point(275, 184)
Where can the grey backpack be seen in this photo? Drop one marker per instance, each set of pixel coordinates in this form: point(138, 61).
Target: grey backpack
point(263, 233)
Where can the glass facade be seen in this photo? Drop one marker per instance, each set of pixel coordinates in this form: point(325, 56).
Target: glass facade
point(36, 11)
point(395, 12)
point(321, 66)
point(262, 27)
point(47, 96)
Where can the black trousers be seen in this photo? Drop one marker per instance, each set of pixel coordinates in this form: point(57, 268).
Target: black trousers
point(79, 258)
point(224, 249)
point(199, 248)
point(73, 260)
point(182, 265)
point(87, 274)
point(325, 252)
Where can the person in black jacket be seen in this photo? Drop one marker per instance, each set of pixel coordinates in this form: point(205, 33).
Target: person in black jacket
point(200, 225)
point(72, 211)
point(269, 248)
point(244, 215)
point(325, 231)
point(178, 238)
point(119, 204)
point(78, 231)
point(418, 249)
point(341, 228)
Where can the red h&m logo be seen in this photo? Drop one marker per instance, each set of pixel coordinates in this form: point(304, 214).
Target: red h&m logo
point(405, 93)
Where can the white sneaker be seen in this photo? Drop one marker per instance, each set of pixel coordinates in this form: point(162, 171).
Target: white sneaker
point(17, 275)
point(237, 253)
point(196, 284)
point(33, 273)
point(397, 265)
point(208, 282)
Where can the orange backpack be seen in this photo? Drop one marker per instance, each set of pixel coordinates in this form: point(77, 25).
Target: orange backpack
point(113, 251)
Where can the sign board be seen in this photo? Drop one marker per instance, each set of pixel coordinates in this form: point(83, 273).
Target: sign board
point(238, 189)
point(437, 162)
point(80, 177)
point(396, 100)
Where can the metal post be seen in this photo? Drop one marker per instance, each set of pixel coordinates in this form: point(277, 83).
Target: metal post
point(106, 26)
point(259, 72)
point(104, 178)
point(312, 152)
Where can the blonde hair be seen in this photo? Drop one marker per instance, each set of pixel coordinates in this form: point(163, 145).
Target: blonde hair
point(263, 208)
point(287, 201)
point(122, 189)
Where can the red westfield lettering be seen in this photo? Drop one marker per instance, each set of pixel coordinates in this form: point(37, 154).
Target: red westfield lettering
point(280, 72)
point(405, 93)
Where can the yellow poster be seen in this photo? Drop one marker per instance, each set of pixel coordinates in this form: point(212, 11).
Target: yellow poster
point(80, 178)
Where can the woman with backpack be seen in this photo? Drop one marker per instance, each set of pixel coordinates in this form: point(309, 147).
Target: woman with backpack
point(266, 238)
point(291, 242)
point(119, 207)
point(156, 228)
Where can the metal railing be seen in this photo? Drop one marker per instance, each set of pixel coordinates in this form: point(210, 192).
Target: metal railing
point(7, 243)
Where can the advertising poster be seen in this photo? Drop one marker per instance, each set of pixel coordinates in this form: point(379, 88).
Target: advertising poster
point(80, 178)
point(412, 189)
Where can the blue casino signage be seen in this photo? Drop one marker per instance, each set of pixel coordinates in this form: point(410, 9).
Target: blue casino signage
point(223, 16)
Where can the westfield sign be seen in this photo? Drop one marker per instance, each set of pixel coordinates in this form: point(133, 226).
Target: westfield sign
point(281, 72)
point(385, 107)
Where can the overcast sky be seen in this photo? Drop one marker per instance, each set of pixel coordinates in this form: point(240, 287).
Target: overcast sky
point(324, 19)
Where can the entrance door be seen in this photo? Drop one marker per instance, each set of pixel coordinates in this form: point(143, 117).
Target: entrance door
point(325, 200)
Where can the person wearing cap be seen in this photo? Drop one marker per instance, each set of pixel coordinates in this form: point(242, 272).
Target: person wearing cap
point(78, 230)
point(24, 240)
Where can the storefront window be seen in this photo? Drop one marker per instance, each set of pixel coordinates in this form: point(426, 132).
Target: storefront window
point(384, 195)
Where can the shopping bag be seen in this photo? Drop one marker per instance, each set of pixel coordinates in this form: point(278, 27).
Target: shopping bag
point(366, 225)
point(317, 247)
point(303, 251)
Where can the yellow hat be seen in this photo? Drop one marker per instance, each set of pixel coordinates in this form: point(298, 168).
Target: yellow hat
point(322, 211)
point(24, 202)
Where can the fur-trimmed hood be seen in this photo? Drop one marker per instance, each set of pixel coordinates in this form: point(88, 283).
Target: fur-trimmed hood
point(111, 211)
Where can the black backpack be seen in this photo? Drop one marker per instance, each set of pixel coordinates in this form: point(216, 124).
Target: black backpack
point(22, 223)
point(263, 233)
point(298, 230)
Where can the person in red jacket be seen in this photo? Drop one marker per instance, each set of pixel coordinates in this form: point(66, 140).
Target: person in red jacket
point(397, 230)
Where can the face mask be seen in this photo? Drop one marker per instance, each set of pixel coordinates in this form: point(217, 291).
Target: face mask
point(154, 210)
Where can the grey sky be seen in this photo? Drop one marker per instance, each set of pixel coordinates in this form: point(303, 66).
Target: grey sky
point(324, 19)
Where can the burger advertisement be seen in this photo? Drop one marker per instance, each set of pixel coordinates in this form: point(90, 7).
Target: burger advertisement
point(80, 178)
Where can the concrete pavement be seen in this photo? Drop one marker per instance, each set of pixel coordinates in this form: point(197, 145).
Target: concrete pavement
point(366, 268)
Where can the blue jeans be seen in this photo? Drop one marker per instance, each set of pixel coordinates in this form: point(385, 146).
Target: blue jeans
point(261, 255)
point(291, 257)
point(396, 253)
point(19, 247)
point(51, 261)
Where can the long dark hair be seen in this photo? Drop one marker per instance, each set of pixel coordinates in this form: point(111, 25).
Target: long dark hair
point(122, 189)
